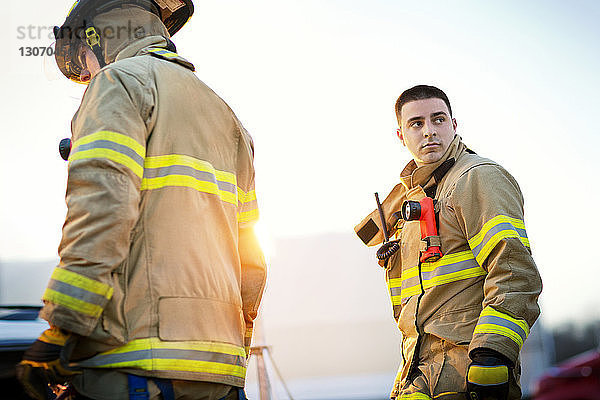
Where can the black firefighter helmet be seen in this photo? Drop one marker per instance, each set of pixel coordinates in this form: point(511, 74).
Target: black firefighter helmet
point(78, 28)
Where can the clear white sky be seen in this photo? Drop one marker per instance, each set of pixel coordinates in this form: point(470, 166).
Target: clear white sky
point(315, 83)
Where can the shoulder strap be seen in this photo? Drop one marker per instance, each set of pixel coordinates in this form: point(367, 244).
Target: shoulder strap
point(438, 175)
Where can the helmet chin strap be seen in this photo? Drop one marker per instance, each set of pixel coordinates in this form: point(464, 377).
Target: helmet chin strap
point(92, 38)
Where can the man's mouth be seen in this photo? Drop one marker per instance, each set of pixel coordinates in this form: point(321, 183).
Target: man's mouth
point(429, 145)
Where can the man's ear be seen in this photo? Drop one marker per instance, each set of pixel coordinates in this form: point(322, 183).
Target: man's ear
point(454, 124)
point(400, 136)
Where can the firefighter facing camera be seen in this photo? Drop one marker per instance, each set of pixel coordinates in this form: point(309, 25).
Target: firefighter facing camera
point(463, 285)
point(160, 274)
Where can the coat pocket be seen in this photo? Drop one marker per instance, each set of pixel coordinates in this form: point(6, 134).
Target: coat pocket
point(200, 319)
point(456, 326)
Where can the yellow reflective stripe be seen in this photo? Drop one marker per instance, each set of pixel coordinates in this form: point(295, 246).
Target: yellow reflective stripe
point(175, 160)
point(110, 155)
point(498, 330)
point(411, 291)
point(164, 52)
point(490, 311)
point(64, 300)
point(488, 375)
point(414, 396)
point(190, 182)
point(156, 343)
point(82, 282)
point(246, 197)
point(395, 283)
point(494, 240)
point(476, 240)
point(182, 365)
point(248, 216)
point(152, 354)
point(112, 137)
point(187, 161)
point(113, 146)
point(450, 268)
point(496, 322)
point(493, 231)
point(454, 276)
point(410, 273)
point(447, 260)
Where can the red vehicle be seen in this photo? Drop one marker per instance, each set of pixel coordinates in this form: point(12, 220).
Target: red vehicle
point(575, 379)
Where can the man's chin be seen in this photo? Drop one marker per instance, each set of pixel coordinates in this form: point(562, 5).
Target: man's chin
point(431, 158)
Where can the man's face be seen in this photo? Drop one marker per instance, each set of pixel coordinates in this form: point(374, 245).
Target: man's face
point(426, 129)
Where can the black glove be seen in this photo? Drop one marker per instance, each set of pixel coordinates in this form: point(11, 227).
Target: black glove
point(487, 376)
point(44, 364)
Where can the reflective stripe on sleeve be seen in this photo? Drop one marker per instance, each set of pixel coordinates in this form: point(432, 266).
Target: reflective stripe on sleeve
point(248, 206)
point(112, 146)
point(77, 292)
point(248, 216)
point(152, 354)
point(185, 171)
point(493, 231)
point(498, 323)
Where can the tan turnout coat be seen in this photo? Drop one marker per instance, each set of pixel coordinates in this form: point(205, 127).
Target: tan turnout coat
point(483, 292)
point(160, 272)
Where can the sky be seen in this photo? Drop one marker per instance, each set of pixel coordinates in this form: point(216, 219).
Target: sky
point(315, 83)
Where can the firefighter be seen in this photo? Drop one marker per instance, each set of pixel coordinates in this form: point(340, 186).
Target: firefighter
point(464, 317)
point(160, 273)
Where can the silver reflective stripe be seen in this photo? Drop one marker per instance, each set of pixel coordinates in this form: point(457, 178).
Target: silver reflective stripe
point(493, 320)
point(78, 293)
point(165, 354)
point(504, 226)
point(448, 269)
point(107, 144)
point(204, 176)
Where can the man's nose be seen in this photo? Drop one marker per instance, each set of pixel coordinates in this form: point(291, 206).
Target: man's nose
point(429, 130)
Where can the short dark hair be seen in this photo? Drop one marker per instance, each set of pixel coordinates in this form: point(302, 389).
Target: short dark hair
point(420, 92)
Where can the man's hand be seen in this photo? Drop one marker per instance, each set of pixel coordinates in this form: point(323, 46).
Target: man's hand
point(42, 364)
point(487, 376)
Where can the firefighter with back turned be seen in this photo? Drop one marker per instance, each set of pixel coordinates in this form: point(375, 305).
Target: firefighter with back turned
point(160, 273)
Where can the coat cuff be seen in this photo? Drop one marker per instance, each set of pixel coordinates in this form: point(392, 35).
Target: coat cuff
point(500, 332)
point(74, 302)
point(68, 320)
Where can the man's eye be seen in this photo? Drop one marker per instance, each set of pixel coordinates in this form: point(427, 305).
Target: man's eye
point(416, 124)
point(439, 120)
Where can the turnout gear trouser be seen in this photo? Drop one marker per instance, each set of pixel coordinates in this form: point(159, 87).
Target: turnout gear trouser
point(442, 373)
